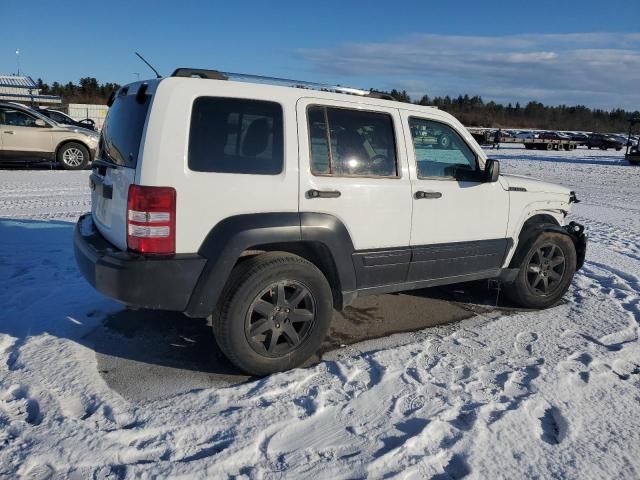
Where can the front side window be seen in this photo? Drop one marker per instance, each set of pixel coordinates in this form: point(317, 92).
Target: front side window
point(439, 149)
point(351, 142)
point(233, 135)
point(17, 118)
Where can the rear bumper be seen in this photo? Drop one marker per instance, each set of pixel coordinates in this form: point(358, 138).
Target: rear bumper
point(144, 282)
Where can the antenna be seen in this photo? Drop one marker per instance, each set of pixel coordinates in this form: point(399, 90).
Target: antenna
point(148, 65)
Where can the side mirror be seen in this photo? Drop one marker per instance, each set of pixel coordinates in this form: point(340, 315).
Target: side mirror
point(492, 170)
point(40, 123)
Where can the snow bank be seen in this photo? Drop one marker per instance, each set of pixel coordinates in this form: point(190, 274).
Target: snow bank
point(526, 395)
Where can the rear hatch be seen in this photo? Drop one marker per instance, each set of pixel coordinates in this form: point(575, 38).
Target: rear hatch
point(114, 168)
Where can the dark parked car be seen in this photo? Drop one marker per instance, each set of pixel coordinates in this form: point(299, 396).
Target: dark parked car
point(553, 136)
point(581, 138)
point(65, 119)
point(603, 142)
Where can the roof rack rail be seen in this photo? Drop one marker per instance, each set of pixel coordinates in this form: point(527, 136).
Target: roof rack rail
point(382, 95)
point(199, 72)
point(284, 82)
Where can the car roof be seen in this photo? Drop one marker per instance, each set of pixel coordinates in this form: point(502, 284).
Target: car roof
point(276, 90)
point(282, 87)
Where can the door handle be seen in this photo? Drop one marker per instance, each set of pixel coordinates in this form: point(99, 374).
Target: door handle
point(323, 193)
point(9, 132)
point(420, 195)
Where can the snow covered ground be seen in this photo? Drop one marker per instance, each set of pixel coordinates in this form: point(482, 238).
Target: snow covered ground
point(525, 395)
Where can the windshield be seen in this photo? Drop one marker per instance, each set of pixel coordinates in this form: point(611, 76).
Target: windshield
point(122, 130)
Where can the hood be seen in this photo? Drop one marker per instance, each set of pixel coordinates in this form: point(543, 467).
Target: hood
point(80, 130)
point(77, 129)
point(533, 185)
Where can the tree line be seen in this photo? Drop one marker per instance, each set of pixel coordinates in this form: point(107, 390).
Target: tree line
point(87, 91)
point(474, 112)
point(471, 111)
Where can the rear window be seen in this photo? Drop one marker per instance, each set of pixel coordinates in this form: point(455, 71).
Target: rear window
point(233, 135)
point(122, 130)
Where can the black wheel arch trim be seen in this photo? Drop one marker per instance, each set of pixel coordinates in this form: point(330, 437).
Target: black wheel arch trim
point(574, 231)
point(227, 240)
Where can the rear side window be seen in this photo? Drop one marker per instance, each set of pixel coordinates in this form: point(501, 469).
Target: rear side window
point(233, 135)
point(351, 142)
point(122, 130)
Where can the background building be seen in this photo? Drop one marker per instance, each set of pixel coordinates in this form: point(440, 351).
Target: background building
point(20, 88)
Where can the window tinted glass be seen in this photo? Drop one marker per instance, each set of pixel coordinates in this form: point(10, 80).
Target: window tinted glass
point(231, 135)
point(439, 149)
point(18, 118)
point(59, 118)
point(122, 130)
point(351, 142)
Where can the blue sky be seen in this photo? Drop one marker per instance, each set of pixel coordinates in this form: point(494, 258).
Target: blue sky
point(571, 52)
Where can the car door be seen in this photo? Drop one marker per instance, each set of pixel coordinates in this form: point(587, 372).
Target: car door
point(459, 221)
point(353, 168)
point(22, 139)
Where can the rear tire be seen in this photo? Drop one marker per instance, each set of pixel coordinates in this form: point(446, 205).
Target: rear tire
point(73, 156)
point(273, 314)
point(545, 273)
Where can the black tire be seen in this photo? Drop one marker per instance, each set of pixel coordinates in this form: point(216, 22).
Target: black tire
point(73, 156)
point(255, 287)
point(549, 146)
point(528, 290)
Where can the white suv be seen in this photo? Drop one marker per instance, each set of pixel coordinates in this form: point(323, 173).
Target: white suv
point(263, 207)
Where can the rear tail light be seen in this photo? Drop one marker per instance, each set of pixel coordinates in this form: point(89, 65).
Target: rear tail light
point(151, 220)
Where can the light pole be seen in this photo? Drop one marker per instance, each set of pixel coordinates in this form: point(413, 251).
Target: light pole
point(18, 59)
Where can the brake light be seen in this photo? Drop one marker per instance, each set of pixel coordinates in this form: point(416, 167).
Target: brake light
point(151, 220)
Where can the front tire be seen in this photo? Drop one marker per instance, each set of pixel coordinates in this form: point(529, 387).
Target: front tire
point(545, 272)
point(73, 156)
point(274, 313)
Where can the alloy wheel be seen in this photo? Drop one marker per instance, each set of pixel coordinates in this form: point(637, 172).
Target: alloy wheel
point(280, 318)
point(73, 157)
point(545, 269)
